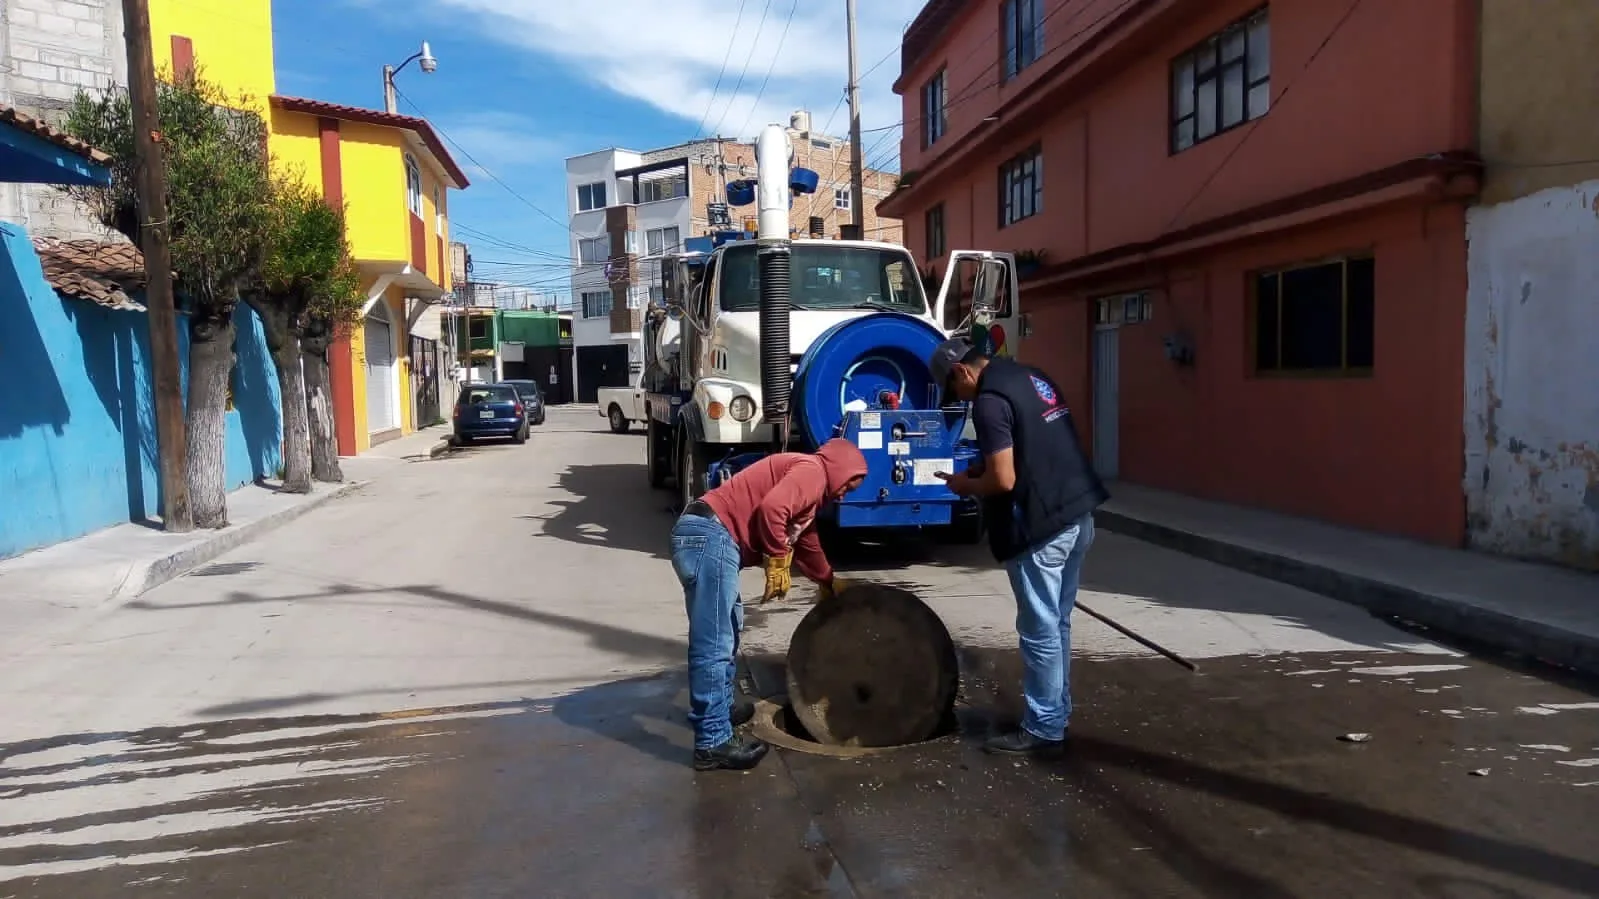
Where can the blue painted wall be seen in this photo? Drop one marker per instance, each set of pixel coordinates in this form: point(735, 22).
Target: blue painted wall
point(77, 426)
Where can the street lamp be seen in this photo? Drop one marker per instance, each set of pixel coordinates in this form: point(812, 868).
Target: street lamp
point(426, 61)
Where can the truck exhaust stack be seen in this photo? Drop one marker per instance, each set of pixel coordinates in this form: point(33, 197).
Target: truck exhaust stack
point(773, 257)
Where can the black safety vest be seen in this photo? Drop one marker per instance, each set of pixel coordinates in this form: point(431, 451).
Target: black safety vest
point(1055, 483)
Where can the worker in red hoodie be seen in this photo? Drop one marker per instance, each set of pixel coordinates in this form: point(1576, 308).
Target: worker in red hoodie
point(765, 514)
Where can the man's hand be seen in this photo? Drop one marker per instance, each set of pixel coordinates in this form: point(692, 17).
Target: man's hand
point(778, 580)
point(833, 588)
point(960, 484)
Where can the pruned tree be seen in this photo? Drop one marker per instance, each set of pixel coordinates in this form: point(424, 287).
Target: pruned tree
point(308, 276)
point(218, 200)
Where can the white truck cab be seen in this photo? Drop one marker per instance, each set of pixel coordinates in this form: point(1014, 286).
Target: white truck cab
point(717, 339)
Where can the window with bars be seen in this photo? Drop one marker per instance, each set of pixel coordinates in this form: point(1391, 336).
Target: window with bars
point(1023, 27)
point(935, 232)
point(1021, 187)
point(1316, 319)
point(933, 110)
point(1222, 83)
point(596, 303)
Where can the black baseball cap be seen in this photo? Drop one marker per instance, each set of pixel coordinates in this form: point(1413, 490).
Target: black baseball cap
point(943, 361)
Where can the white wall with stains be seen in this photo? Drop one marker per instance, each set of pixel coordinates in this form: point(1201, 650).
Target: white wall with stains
point(1532, 376)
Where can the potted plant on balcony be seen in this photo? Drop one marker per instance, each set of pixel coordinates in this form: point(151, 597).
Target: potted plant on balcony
point(1028, 262)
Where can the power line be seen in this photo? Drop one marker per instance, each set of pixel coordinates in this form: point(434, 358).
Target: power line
point(773, 65)
point(732, 39)
point(756, 42)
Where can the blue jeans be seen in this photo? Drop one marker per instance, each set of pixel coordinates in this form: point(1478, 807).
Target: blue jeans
point(1044, 579)
point(707, 562)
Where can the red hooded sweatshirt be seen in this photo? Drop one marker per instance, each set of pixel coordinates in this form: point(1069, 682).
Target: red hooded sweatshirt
point(770, 507)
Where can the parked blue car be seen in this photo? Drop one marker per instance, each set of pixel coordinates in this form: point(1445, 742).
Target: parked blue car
point(489, 410)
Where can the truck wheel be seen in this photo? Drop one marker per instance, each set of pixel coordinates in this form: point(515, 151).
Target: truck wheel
point(690, 470)
point(618, 420)
point(657, 453)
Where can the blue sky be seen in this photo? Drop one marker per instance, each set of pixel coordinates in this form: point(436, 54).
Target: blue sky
point(523, 84)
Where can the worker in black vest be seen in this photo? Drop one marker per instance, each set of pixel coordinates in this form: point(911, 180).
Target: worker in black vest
point(1038, 492)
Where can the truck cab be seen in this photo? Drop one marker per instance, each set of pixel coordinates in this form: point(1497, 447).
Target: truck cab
point(702, 375)
point(716, 338)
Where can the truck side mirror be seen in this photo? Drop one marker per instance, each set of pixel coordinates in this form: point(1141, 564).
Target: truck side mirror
point(988, 291)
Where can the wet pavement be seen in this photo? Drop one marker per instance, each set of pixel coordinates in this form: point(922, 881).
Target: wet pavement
point(1230, 783)
point(464, 681)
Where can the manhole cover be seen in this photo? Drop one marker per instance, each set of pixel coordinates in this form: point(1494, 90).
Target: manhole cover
point(872, 667)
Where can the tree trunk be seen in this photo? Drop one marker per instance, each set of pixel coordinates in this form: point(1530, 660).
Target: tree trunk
point(284, 345)
point(296, 424)
point(210, 368)
point(319, 414)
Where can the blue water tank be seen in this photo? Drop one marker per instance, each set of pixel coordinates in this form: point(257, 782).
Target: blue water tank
point(860, 359)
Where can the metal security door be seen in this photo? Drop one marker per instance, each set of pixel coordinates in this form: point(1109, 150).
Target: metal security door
point(1107, 413)
point(380, 405)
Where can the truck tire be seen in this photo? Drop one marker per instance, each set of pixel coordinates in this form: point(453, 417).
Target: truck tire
point(690, 470)
point(657, 452)
point(618, 419)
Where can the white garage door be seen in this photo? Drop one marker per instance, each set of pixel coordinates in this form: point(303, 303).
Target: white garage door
point(380, 406)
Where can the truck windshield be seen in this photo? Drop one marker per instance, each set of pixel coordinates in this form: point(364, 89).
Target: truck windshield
point(828, 277)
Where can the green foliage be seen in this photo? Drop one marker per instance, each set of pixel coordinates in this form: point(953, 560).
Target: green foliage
point(218, 185)
point(309, 273)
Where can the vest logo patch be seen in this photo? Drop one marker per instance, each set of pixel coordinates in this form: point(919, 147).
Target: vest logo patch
point(1042, 388)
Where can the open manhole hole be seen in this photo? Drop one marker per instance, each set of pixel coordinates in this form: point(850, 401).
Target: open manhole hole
point(776, 723)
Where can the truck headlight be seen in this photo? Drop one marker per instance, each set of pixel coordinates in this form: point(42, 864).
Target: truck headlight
point(742, 407)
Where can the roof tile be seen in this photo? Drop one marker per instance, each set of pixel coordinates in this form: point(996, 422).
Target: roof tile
point(422, 127)
point(104, 272)
point(25, 122)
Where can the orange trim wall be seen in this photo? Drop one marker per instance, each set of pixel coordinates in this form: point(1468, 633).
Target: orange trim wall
point(340, 371)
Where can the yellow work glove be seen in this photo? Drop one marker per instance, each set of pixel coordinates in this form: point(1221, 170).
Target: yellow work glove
point(830, 590)
point(778, 580)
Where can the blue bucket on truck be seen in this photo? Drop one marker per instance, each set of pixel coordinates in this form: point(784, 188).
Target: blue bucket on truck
point(879, 361)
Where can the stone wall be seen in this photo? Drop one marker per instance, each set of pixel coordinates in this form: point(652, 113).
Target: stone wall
point(52, 48)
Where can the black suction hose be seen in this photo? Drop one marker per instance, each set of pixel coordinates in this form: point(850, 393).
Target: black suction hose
point(777, 381)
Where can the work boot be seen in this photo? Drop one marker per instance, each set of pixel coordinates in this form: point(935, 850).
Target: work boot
point(734, 755)
point(1020, 742)
point(743, 711)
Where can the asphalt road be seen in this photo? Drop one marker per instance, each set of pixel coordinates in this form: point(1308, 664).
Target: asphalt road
point(466, 681)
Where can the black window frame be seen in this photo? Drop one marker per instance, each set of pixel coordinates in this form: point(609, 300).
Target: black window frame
point(1019, 188)
point(933, 220)
point(1207, 67)
point(934, 123)
point(1023, 43)
point(1356, 318)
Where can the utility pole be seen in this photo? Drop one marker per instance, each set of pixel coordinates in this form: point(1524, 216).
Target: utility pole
point(154, 233)
point(857, 174)
point(391, 103)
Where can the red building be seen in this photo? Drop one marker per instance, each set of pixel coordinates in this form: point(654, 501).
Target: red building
point(1252, 227)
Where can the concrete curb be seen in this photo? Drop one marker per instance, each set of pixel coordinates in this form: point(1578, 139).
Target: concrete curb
point(439, 449)
point(1549, 643)
point(183, 561)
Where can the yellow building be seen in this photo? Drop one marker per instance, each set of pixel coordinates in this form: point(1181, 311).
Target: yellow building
point(392, 171)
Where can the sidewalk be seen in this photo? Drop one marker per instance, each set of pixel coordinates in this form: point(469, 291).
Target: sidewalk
point(121, 562)
point(1541, 611)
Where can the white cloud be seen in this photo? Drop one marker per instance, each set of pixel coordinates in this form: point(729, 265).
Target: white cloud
point(500, 140)
point(670, 55)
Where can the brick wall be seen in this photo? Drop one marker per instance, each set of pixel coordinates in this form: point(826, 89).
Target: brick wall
point(828, 157)
point(51, 49)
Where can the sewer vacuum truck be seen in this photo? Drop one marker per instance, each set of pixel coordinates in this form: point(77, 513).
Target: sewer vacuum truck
point(771, 344)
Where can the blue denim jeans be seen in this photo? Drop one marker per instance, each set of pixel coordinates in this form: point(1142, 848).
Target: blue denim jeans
point(1044, 579)
point(707, 562)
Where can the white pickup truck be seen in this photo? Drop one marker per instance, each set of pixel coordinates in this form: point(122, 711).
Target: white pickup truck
point(622, 406)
